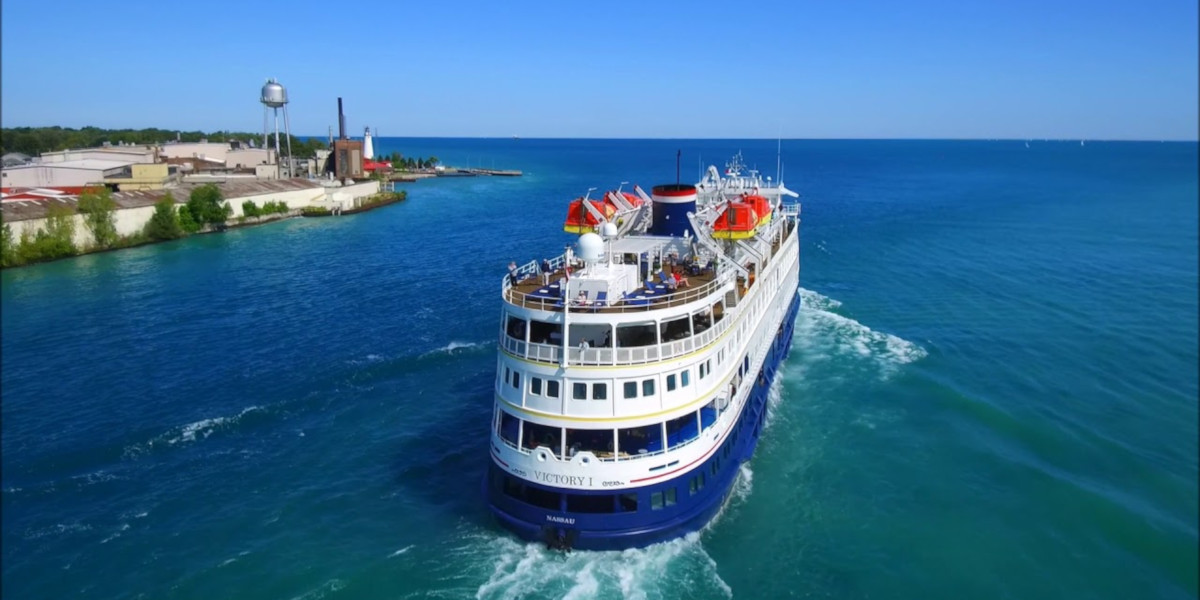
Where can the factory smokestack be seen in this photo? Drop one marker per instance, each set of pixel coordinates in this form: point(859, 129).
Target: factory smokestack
point(341, 121)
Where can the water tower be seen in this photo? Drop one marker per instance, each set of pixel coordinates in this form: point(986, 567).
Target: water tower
point(274, 96)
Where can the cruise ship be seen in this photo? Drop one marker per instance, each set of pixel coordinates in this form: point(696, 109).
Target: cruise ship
point(633, 369)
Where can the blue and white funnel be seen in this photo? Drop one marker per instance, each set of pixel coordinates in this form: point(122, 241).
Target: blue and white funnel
point(672, 203)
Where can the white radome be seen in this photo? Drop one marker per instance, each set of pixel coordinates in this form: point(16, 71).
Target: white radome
point(591, 247)
point(608, 229)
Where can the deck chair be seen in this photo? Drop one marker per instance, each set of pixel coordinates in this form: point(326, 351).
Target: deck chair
point(600, 302)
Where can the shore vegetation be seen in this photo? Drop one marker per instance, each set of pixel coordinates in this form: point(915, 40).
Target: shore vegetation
point(36, 140)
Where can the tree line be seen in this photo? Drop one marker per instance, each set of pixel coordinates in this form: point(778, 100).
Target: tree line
point(400, 161)
point(36, 140)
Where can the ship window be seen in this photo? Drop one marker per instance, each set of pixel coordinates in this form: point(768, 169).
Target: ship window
point(630, 389)
point(640, 440)
point(692, 489)
point(507, 375)
point(682, 430)
point(535, 386)
point(669, 496)
point(683, 377)
point(542, 498)
point(515, 328)
point(718, 312)
point(656, 501)
point(537, 435)
point(509, 428)
point(513, 488)
point(708, 415)
point(700, 480)
point(596, 441)
point(590, 503)
point(544, 333)
point(632, 336)
point(599, 391)
point(701, 321)
point(552, 388)
point(627, 502)
point(579, 391)
point(703, 370)
point(647, 387)
point(516, 381)
point(675, 329)
point(746, 363)
point(671, 382)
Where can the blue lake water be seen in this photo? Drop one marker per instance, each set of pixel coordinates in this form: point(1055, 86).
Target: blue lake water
point(991, 393)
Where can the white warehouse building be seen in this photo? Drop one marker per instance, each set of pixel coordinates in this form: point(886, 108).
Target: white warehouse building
point(67, 173)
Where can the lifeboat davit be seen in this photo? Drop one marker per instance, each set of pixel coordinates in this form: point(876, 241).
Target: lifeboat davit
point(761, 206)
point(580, 219)
point(737, 222)
point(633, 199)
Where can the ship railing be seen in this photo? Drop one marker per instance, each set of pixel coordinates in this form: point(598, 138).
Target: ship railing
point(552, 353)
point(630, 304)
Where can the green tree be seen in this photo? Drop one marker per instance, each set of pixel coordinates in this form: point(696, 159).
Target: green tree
point(187, 222)
point(207, 205)
point(98, 208)
point(164, 223)
point(250, 209)
point(8, 247)
point(58, 239)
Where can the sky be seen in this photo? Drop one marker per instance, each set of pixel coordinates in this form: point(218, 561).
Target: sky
point(980, 69)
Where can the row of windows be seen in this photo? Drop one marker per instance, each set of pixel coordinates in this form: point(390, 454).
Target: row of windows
point(610, 444)
point(599, 391)
point(628, 335)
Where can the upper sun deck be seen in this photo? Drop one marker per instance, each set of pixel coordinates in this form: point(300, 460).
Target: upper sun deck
point(635, 274)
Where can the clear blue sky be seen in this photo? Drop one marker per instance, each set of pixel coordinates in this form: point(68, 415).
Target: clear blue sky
point(1101, 69)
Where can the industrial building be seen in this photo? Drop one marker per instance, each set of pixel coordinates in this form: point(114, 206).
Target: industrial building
point(128, 168)
point(68, 173)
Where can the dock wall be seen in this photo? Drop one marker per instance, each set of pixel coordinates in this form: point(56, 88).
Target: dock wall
point(130, 221)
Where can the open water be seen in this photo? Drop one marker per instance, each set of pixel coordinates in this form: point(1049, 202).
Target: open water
point(991, 394)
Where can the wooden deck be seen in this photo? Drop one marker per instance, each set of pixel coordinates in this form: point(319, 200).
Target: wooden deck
point(520, 294)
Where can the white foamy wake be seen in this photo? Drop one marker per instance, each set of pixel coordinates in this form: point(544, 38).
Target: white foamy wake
point(774, 398)
point(191, 432)
point(822, 334)
point(206, 427)
point(57, 530)
point(676, 569)
point(456, 347)
point(370, 358)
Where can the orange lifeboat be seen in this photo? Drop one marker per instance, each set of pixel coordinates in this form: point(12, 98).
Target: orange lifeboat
point(580, 219)
point(633, 199)
point(761, 206)
point(737, 222)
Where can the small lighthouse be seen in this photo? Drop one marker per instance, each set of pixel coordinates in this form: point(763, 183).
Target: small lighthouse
point(368, 147)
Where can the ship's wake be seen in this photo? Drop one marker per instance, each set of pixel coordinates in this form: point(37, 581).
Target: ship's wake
point(679, 568)
point(822, 334)
point(675, 569)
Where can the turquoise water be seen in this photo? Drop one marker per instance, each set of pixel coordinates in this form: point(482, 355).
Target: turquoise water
point(991, 393)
